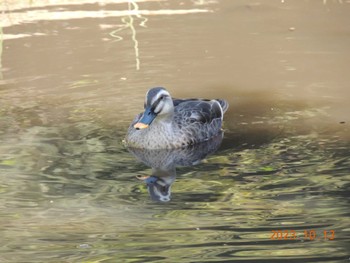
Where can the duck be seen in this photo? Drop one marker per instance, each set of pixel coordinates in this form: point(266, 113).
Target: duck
point(168, 123)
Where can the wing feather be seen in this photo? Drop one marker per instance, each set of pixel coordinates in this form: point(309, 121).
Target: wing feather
point(198, 110)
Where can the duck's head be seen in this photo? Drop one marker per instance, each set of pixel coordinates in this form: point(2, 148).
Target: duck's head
point(159, 183)
point(158, 103)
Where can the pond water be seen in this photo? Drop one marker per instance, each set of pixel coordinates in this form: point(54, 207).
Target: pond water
point(73, 76)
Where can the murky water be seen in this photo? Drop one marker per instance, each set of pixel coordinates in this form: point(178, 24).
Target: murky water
point(73, 76)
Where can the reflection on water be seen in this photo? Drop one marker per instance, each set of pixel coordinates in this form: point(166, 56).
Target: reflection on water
point(69, 88)
point(164, 163)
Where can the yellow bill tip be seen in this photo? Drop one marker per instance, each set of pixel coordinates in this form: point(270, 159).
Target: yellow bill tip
point(140, 125)
point(142, 177)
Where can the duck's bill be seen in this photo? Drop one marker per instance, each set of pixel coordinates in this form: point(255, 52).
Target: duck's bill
point(146, 119)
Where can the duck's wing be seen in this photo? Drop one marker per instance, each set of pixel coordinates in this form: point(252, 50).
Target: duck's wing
point(198, 110)
point(223, 103)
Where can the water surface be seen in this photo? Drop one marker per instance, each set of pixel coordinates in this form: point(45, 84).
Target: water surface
point(74, 75)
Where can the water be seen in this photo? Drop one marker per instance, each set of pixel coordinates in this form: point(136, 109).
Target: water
point(74, 75)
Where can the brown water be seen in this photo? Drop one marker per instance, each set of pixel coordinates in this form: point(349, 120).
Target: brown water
point(73, 76)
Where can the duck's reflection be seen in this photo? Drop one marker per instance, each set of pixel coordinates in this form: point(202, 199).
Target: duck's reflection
point(164, 163)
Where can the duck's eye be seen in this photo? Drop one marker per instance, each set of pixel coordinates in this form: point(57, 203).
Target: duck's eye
point(162, 97)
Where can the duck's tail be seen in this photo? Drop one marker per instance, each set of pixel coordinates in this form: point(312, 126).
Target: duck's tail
point(223, 104)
